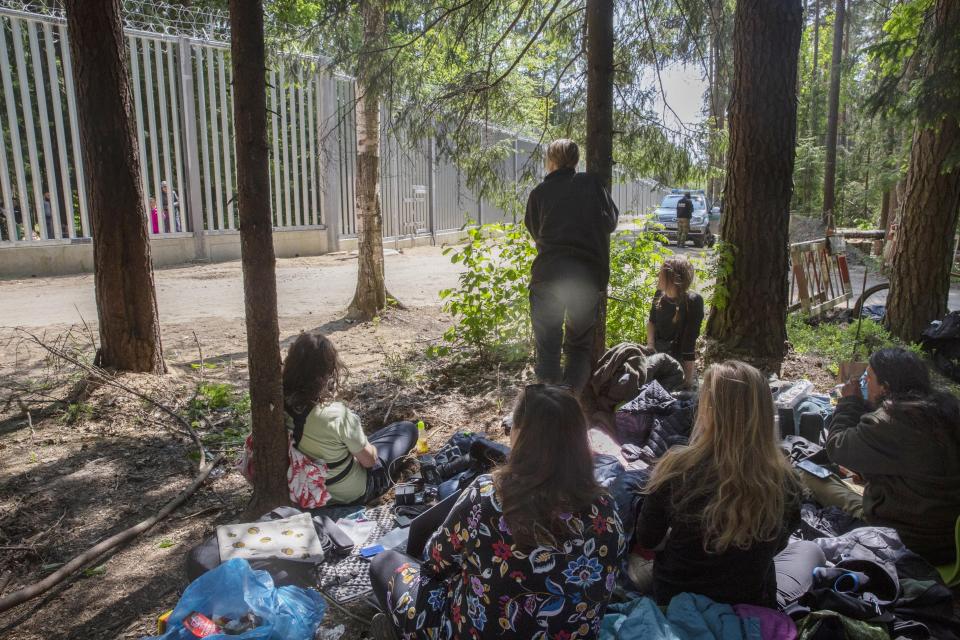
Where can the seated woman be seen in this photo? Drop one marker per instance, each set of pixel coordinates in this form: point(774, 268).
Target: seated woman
point(903, 439)
point(729, 500)
point(676, 315)
point(326, 430)
point(532, 550)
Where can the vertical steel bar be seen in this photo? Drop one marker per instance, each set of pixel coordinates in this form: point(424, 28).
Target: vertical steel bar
point(14, 123)
point(5, 177)
point(304, 130)
point(312, 126)
point(226, 138)
point(179, 213)
point(152, 130)
point(74, 132)
point(329, 167)
point(294, 138)
point(215, 148)
point(277, 193)
point(58, 124)
point(31, 130)
point(51, 175)
point(202, 115)
point(191, 152)
point(166, 216)
point(5, 185)
point(284, 147)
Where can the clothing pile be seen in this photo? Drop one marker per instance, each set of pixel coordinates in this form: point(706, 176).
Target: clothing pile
point(654, 421)
point(625, 368)
point(892, 589)
point(694, 616)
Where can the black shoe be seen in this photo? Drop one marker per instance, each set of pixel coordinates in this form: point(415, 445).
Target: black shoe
point(381, 628)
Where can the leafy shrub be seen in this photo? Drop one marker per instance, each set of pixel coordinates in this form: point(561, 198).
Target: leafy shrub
point(490, 305)
point(635, 261)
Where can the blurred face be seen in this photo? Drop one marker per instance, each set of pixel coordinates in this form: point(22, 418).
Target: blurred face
point(875, 390)
point(551, 167)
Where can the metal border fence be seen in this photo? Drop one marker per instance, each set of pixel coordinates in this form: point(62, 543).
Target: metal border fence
point(182, 103)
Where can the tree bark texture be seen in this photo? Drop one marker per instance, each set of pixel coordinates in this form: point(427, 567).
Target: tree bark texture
point(123, 271)
point(920, 276)
point(833, 110)
point(370, 297)
point(257, 256)
point(763, 131)
point(600, 119)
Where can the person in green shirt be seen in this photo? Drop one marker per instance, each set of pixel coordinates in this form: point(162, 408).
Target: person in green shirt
point(359, 467)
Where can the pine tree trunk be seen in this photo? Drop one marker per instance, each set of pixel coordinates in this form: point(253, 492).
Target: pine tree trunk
point(920, 276)
point(600, 118)
point(833, 105)
point(123, 271)
point(370, 297)
point(763, 131)
point(257, 256)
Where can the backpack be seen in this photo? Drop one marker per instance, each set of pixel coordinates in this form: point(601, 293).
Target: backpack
point(942, 339)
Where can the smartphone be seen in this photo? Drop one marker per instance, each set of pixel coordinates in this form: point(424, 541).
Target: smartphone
point(814, 469)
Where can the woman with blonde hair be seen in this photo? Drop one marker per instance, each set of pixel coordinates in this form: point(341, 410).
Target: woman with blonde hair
point(727, 502)
point(676, 314)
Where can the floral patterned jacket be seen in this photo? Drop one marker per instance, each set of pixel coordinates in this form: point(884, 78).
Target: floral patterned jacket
point(475, 583)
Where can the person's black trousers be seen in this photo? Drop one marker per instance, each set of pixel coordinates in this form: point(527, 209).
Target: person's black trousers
point(392, 443)
point(564, 316)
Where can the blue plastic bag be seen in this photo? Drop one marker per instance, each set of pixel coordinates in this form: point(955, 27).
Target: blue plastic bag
point(234, 589)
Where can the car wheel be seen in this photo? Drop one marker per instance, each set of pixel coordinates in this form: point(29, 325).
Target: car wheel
point(698, 243)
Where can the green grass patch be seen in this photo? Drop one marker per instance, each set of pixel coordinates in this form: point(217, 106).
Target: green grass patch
point(838, 342)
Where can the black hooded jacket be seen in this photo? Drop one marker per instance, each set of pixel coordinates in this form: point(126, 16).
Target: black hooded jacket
point(571, 216)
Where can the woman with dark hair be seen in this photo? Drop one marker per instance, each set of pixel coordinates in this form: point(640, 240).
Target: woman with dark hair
point(676, 315)
point(531, 551)
point(327, 430)
point(722, 508)
point(903, 438)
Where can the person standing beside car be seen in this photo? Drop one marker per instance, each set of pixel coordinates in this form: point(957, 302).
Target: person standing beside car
point(570, 216)
point(684, 213)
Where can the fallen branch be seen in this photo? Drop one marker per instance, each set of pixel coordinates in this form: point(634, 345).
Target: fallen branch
point(91, 554)
point(106, 378)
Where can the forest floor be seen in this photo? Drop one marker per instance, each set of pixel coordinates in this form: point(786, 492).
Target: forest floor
point(73, 475)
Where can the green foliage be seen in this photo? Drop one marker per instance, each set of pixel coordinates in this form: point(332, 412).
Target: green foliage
point(77, 411)
point(220, 404)
point(712, 269)
point(635, 261)
point(211, 396)
point(835, 342)
point(490, 305)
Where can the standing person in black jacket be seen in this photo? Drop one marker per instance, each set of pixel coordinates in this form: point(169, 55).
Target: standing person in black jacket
point(570, 216)
point(684, 213)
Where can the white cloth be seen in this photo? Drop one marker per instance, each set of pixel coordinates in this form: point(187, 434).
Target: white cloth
point(292, 538)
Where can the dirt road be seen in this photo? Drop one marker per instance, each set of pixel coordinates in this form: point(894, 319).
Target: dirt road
point(320, 284)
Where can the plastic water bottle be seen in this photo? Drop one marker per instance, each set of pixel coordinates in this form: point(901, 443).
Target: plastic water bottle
point(422, 446)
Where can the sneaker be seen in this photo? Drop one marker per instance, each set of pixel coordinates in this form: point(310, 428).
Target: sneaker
point(381, 628)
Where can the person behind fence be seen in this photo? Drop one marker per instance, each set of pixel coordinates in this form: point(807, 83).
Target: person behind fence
point(570, 216)
point(676, 314)
point(359, 467)
point(719, 510)
point(684, 213)
point(170, 202)
point(532, 550)
point(903, 438)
